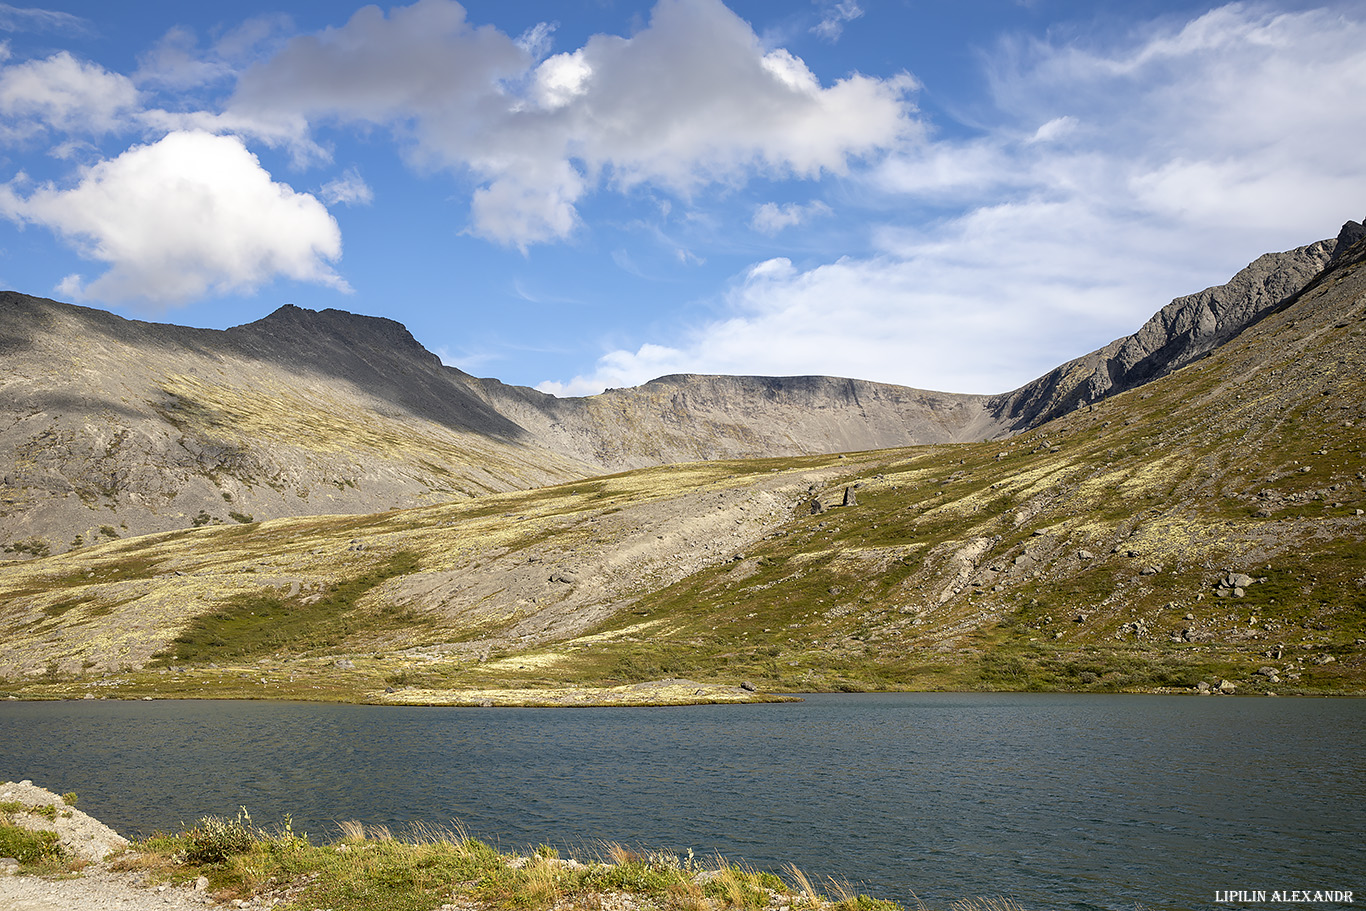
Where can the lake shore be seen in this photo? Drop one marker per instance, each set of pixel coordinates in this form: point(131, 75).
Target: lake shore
point(252, 683)
point(67, 859)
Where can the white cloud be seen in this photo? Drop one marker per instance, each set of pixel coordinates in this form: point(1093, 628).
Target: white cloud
point(190, 215)
point(179, 62)
point(350, 189)
point(689, 100)
point(537, 40)
point(560, 79)
point(23, 19)
point(834, 16)
point(422, 67)
point(65, 94)
point(770, 218)
point(1115, 179)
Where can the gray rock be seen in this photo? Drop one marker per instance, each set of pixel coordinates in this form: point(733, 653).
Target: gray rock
point(564, 576)
point(1178, 334)
point(849, 498)
point(749, 687)
point(1085, 555)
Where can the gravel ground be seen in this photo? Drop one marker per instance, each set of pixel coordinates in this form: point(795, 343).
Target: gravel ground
point(96, 888)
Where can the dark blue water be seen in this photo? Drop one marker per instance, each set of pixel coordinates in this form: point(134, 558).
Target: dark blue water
point(1077, 802)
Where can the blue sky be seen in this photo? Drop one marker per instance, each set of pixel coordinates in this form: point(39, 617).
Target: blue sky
point(591, 193)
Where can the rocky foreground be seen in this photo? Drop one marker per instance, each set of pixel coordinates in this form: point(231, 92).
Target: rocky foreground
point(86, 843)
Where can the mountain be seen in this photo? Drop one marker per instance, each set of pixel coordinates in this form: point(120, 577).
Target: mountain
point(115, 428)
point(1186, 329)
point(1205, 527)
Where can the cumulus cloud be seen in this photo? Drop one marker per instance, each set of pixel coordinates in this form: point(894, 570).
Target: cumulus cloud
point(65, 94)
point(190, 215)
point(692, 99)
point(1114, 179)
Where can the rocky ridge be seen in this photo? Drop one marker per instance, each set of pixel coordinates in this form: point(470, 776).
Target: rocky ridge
point(112, 428)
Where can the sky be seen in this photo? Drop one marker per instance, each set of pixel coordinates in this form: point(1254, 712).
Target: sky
point(574, 195)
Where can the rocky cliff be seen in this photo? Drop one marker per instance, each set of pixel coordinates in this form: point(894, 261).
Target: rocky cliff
point(1186, 329)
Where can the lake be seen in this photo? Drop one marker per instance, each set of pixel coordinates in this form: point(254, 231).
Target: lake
point(1056, 801)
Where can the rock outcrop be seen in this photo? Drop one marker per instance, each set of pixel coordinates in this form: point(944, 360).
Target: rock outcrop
point(1181, 332)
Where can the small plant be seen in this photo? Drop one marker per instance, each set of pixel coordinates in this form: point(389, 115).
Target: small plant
point(240, 517)
point(847, 898)
point(108, 531)
point(70, 798)
point(216, 839)
point(27, 846)
point(546, 851)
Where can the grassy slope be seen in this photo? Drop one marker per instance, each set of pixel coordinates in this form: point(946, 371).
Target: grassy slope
point(1083, 555)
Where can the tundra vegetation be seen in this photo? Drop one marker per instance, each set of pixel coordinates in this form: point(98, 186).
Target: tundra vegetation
point(369, 869)
point(1203, 532)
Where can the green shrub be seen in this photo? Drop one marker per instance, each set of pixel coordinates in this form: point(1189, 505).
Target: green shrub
point(26, 846)
point(216, 839)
